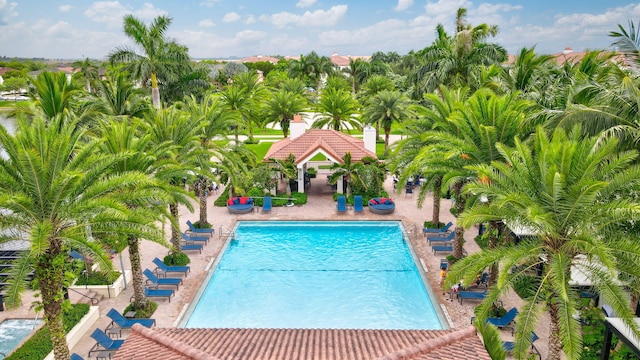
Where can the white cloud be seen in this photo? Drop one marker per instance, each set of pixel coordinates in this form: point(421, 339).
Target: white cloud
point(65, 8)
point(209, 3)
point(7, 11)
point(445, 7)
point(231, 17)
point(250, 20)
point(112, 12)
point(206, 23)
point(316, 18)
point(403, 5)
point(305, 3)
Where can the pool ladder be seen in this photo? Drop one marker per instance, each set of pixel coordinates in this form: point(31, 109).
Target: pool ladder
point(412, 232)
point(225, 233)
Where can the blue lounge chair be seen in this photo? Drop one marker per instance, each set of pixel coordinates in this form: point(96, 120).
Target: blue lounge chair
point(194, 239)
point(155, 281)
point(191, 247)
point(471, 295)
point(440, 248)
point(357, 204)
point(503, 322)
point(509, 345)
point(342, 204)
point(164, 269)
point(76, 255)
point(75, 356)
point(158, 293)
point(125, 324)
point(441, 239)
point(204, 231)
point(266, 204)
point(442, 230)
point(104, 342)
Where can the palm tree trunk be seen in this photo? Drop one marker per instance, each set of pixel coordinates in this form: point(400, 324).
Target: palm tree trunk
point(50, 276)
point(555, 345)
point(458, 249)
point(437, 195)
point(493, 232)
point(175, 233)
point(140, 300)
point(202, 197)
point(155, 92)
point(386, 141)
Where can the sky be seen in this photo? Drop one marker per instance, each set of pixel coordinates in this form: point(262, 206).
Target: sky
point(218, 29)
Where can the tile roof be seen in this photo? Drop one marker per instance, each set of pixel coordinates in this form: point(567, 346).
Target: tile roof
point(284, 344)
point(333, 143)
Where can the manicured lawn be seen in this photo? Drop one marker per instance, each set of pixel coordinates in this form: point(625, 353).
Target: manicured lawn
point(259, 149)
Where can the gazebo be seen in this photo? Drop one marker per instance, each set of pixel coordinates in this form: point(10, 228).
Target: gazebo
point(306, 144)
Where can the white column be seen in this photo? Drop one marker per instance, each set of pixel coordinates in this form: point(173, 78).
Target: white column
point(300, 179)
point(369, 138)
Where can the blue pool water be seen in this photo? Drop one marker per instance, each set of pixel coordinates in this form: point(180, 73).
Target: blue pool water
point(13, 331)
point(358, 275)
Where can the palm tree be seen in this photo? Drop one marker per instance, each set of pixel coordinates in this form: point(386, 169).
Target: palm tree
point(388, 107)
point(346, 170)
point(337, 109)
point(159, 56)
point(52, 96)
point(117, 96)
point(236, 100)
point(312, 68)
point(288, 169)
point(565, 189)
point(56, 194)
point(281, 106)
point(88, 70)
point(255, 93)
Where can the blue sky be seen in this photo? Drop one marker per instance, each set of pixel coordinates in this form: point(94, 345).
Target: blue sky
point(67, 29)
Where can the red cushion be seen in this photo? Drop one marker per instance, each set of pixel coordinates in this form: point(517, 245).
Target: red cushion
point(383, 200)
point(243, 200)
point(230, 202)
point(373, 201)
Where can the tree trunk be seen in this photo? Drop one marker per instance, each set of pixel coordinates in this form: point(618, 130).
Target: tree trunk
point(140, 300)
point(493, 233)
point(155, 92)
point(237, 134)
point(555, 345)
point(458, 249)
point(202, 197)
point(50, 276)
point(386, 141)
point(175, 233)
point(437, 195)
point(377, 130)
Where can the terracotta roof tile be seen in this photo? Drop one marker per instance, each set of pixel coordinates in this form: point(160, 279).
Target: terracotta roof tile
point(333, 143)
point(328, 344)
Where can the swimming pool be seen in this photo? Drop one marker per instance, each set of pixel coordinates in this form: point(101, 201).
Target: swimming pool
point(13, 331)
point(315, 274)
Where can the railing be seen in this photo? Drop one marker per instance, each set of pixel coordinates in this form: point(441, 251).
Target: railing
point(412, 232)
point(225, 232)
point(87, 296)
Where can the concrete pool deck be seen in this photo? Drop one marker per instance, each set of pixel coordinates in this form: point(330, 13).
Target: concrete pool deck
point(320, 206)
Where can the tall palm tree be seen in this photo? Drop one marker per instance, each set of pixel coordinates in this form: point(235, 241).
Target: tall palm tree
point(348, 170)
point(159, 55)
point(337, 109)
point(54, 189)
point(386, 108)
point(255, 93)
point(312, 68)
point(117, 96)
point(281, 106)
point(89, 70)
point(237, 102)
point(566, 190)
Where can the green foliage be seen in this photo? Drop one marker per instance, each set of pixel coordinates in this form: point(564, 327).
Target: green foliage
point(98, 278)
point(205, 226)
point(221, 201)
point(482, 241)
point(429, 224)
point(452, 259)
point(39, 345)
point(145, 312)
point(177, 259)
point(259, 149)
point(526, 286)
point(257, 195)
point(251, 141)
point(312, 172)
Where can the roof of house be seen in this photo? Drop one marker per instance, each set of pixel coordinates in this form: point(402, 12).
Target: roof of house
point(344, 60)
point(328, 344)
point(333, 143)
point(258, 58)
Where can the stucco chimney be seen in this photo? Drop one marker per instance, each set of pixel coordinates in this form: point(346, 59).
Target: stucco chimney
point(297, 127)
point(369, 138)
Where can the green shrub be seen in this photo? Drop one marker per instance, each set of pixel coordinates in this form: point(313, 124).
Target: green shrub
point(252, 142)
point(525, 286)
point(39, 345)
point(257, 195)
point(482, 241)
point(452, 259)
point(145, 312)
point(206, 225)
point(177, 259)
point(98, 278)
point(312, 172)
point(429, 224)
point(221, 201)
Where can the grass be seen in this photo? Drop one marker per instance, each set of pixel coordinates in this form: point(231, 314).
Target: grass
point(259, 149)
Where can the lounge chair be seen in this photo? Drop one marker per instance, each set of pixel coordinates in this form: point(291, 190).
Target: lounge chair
point(76, 255)
point(482, 280)
point(342, 204)
point(441, 239)
point(381, 206)
point(164, 269)
point(125, 324)
point(155, 281)
point(440, 248)
point(104, 342)
point(194, 239)
point(240, 205)
point(503, 322)
point(357, 204)
point(75, 356)
point(510, 345)
point(158, 293)
point(204, 231)
point(191, 247)
point(442, 230)
point(471, 295)
point(266, 204)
